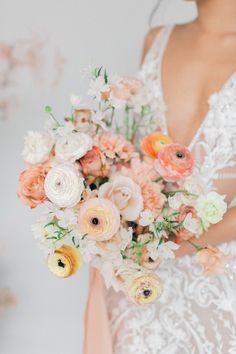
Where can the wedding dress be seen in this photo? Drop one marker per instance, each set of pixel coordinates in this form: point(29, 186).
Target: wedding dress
point(195, 314)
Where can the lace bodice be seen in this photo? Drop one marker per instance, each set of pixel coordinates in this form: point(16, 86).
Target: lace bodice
point(214, 143)
point(195, 314)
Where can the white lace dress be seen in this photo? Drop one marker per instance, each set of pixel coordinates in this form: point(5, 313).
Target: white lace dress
point(195, 314)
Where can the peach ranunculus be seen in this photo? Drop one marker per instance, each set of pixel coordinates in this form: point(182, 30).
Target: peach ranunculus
point(113, 145)
point(191, 223)
point(212, 260)
point(153, 143)
point(94, 164)
point(31, 188)
point(126, 88)
point(125, 194)
point(99, 219)
point(174, 163)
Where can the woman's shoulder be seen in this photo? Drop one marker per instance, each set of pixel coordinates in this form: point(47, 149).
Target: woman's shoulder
point(149, 39)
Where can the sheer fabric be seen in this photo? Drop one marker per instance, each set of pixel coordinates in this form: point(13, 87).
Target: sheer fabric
point(195, 314)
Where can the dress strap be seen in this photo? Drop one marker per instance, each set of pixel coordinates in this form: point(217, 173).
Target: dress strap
point(159, 44)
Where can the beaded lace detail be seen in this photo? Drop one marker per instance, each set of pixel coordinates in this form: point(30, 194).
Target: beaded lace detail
point(195, 314)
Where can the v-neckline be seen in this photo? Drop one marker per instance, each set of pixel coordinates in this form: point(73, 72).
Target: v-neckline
point(226, 83)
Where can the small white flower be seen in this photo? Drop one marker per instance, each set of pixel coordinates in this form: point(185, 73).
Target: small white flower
point(163, 251)
point(175, 202)
point(147, 218)
point(191, 224)
point(64, 186)
point(75, 101)
point(66, 129)
point(98, 119)
point(126, 237)
point(211, 208)
point(88, 249)
point(73, 146)
point(97, 87)
point(37, 147)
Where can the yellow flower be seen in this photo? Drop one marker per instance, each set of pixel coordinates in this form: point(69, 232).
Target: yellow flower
point(65, 261)
point(99, 218)
point(143, 288)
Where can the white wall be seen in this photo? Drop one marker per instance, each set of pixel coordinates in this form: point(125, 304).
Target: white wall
point(48, 318)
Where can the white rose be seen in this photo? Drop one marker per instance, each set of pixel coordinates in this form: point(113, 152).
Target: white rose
point(64, 186)
point(125, 194)
point(175, 202)
point(211, 208)
point(37, 147)
point(73, 146)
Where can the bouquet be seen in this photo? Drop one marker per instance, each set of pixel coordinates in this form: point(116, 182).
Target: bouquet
point(111, 199)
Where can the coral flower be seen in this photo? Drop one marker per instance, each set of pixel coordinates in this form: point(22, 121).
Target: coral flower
point(143, 288)
point(99, 219)
point(190, 228)
point(31, 189)
point(94, 164)
point(212, 260)
point(174, 163)
point(126, 88)
point(153, 143)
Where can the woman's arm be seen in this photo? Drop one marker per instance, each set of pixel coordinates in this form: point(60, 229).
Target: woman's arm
point(224, 231)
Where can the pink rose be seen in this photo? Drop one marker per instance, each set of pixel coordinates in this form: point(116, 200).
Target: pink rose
point(175, 162)
point(31, 189)
point(94, 163)
point(212, 260)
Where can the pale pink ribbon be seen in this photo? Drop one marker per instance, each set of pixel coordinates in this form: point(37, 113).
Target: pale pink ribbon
point(97, 334)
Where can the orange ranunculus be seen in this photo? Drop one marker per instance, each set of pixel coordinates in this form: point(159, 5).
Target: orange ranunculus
point(153, 143)
point(31, 189)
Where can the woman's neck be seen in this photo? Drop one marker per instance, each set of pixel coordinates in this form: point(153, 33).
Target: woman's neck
point(217, 16)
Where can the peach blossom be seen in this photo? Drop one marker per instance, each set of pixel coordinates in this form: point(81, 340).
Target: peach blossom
point(153, 198)
point(113, 146)
point(126, 88)
point(31, 189)
point(212, 260)
point(174, 163)
point(94, 164)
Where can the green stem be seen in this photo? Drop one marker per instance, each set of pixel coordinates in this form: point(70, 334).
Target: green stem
point(197, 247)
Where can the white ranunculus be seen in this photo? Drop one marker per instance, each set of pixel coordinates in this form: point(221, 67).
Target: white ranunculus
point(37, 147)
point(73, 146)
point(211, 208)
point(125, 194)
point(64, 186)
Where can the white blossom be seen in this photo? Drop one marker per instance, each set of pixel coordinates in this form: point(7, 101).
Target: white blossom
point(37, 147)
point(147, 218)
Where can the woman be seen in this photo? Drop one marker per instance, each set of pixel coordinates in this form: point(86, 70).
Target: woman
point(192, 68)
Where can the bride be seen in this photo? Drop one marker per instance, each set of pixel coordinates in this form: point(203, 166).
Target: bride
point(192, 69)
